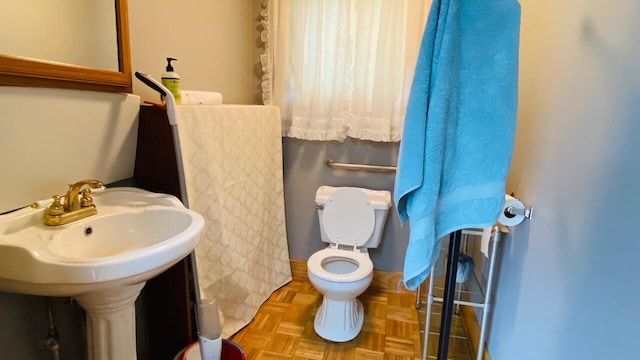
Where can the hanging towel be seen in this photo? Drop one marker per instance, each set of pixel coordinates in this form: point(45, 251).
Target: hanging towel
point(460, 125)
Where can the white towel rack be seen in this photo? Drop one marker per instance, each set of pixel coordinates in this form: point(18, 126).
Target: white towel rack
point(480, 300)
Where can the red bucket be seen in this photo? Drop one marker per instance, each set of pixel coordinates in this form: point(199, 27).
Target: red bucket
point(230, 351)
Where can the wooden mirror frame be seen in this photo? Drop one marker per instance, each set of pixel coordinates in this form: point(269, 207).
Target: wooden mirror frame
point(21, 71)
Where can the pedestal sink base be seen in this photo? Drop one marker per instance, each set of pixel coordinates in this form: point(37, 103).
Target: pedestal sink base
point(111, 323)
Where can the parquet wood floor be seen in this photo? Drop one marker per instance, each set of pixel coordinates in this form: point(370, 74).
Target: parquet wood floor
point(283, 328)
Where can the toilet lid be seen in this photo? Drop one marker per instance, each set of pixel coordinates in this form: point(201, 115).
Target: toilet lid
point(348, 217)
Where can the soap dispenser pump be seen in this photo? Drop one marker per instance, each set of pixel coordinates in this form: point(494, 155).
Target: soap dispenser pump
point(171, 80)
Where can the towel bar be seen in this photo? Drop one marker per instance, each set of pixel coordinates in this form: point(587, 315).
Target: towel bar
point(365, 167)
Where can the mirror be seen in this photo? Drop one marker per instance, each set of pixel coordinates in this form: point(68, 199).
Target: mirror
point(101, 63)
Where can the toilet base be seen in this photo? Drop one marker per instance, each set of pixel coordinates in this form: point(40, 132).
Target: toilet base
point(339, 320)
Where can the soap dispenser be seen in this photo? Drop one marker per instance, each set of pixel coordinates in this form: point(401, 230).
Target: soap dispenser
point(171, 80)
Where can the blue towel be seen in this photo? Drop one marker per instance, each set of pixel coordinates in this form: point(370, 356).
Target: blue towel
point(459, 129)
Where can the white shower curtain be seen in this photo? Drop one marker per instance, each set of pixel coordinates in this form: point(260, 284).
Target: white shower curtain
point(233, 173)
point(339, 68)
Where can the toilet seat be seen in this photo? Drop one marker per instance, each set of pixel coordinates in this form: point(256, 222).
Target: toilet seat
point(349, 217)
point(362, 260)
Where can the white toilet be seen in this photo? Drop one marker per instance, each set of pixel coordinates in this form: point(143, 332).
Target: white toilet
point(351, 221)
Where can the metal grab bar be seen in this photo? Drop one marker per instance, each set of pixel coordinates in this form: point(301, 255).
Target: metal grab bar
point(365, 167)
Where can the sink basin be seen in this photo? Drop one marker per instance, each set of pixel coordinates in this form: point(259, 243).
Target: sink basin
point(124, 234)
point(135, 236)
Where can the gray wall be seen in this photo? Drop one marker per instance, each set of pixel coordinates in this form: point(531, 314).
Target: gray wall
point(304, 172)
point(568, 284)
point(24, 323)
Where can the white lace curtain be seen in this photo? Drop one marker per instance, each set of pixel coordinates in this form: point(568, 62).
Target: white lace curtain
point(339, 68)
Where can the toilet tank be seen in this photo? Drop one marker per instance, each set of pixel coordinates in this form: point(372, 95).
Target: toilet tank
point(380, 199)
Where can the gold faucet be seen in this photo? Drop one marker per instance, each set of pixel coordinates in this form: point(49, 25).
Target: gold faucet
point(73, 207)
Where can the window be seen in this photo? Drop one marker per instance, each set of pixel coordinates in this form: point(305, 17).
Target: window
point(339, 68)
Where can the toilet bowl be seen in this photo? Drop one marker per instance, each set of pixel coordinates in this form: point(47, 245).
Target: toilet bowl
point(351, 221)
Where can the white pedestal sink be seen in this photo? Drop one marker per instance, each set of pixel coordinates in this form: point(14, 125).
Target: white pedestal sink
point(102, 261)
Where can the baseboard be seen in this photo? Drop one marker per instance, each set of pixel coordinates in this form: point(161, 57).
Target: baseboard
point(472, 329)
point(298, 268)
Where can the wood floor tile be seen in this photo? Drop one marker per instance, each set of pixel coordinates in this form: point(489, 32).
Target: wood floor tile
point(252, 353)
point(339, 351)
point(370, 340)
point(310, 349)
point(399, 346)
point(375, 324)
point(375, 309)
point(256, 338)
point(298, 313)
point(283, 344)
point(290, 328)
point(283, 327)
point(401, 329)
point(284, 295)
point(405, 300)
point(399, 313)
point(265, 321)
point(307, 299)
point(398, 357)
point(364, 354)
point(274, 308)
point(269, 355)
point(371, 296)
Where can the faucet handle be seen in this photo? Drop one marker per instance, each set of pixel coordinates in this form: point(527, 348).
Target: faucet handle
point(56, 207)
point(86, 200)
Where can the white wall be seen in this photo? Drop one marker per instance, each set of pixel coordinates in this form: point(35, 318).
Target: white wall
point(212, 40)
point(568, 284)
point(52, 137)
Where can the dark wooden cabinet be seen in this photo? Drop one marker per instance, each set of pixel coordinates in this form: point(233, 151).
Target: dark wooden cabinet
point(155, 167)
point(165, 306)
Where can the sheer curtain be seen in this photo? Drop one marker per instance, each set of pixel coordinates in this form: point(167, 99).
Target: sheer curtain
point(339, 68)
